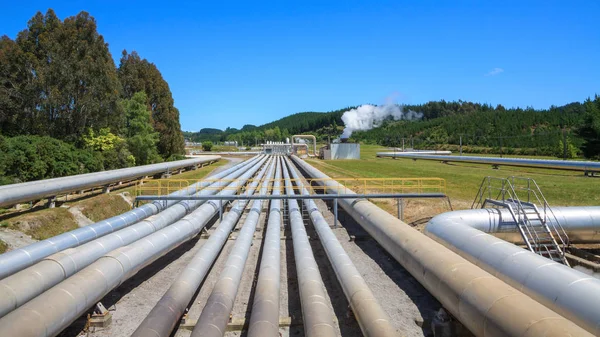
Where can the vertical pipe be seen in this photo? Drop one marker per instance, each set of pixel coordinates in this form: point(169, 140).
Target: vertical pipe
point(162, 319)
point(264, 321)
point(371, 317)
point(316, 313)
point(215, 314)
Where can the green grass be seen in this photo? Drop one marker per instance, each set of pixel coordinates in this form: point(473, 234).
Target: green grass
point(561, 188)
point(44, 224)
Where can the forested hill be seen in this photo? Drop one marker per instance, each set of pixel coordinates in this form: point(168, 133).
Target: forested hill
point(66, 108)
point(481, 127)
point(280, 129)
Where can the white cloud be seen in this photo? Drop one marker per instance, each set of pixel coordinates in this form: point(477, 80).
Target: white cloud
point(494, 72)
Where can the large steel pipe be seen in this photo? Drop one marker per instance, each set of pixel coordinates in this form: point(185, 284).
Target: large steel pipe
point(483, 303)
point(35, 190)
point(581, 224)
point(264, 321)
point(572, 165)
point(55, 309)
point(162, 319)
point(569, 292)
point(20, 287)
point(15, 260)
point(316, 313)
point(371, 317)
point(215, 315)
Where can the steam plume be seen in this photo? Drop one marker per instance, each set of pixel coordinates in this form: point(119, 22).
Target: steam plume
point(368, 116)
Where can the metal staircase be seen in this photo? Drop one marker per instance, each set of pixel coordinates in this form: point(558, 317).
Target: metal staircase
point(539, 227)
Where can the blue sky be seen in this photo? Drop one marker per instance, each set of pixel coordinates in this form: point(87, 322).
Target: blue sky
point(231, 63)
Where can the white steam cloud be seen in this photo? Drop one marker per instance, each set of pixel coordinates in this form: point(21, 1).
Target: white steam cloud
point(368, 116)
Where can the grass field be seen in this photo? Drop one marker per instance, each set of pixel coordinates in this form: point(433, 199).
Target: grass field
point(561, 188)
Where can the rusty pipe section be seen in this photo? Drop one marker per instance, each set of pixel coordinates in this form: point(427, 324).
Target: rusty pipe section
point(483, 303)
point(316, 313)
point(55, 309)
point(215, 314)
point(371, 317)
point(567, 291)
point(264, 321)
point(24, 285)
point(167, 312)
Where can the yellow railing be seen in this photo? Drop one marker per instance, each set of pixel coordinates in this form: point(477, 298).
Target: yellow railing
point(163, 187)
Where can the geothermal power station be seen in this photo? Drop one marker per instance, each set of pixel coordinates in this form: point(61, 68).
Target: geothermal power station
point(268, 245)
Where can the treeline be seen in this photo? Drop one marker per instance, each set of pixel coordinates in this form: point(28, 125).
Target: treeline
point(60, 91)
point(317, 123)
point(487, 129)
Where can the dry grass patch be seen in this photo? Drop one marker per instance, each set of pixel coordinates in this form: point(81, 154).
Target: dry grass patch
point(3, 246)
point(44, 224)
point(103, 206)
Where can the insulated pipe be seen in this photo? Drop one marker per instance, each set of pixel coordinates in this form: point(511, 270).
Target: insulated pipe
point(371, 317)
point(586, 166)
point(314, 139)
point(569, 292)
point(34, 190)
point(483, 303)
point(215, 314)
point(162, 319)
point(264, 321)
point(52, 311)
point(582, 223)
point(20, 287)
point(15, 260)
point(316, 313)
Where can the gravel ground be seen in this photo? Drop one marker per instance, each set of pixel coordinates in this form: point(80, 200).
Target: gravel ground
point(403, 298)
point(15, 239)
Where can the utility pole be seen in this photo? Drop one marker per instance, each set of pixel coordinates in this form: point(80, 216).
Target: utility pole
point(402, 144)
point(461, 145)
point(564, 144)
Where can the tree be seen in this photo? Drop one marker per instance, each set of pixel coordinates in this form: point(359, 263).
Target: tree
point(141, 137)
point(590, 128)
point(207, 145)
point(69, 70)
point(137, 74)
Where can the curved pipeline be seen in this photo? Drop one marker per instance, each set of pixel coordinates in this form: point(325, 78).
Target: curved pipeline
point(484, 304)
point(34, 190)
point(373, 320)
point(316, 313)
point(314, 139)
point(582, 223)
point(24, 285)
point(586, 166)
point(215, 315)
point(163, 317)
point(567, 291)
point(15, 260)
point(55, 309)
point(264, 320)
